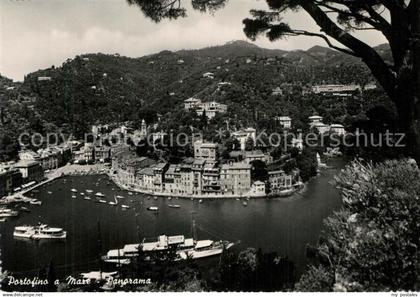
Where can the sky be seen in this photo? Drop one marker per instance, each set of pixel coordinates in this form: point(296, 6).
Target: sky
point(36, 34)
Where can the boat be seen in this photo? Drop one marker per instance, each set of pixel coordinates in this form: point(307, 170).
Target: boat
point(153, 208)
point(155, 198)
point(35, 202)
point(99, 194)
point(2, 220)
point(89, 191)
point(102, 201)
point(113, 203)
point(200, 201)
point(125, 206)
point(74, 196)
point(41, 231)
point(169, 198)
point(83, 194)
point(120, 197)
point(25, 209)
point(186, 248)
point(87, 198)
point(6, 212)
point(244, 203)
point(74, 190)
point(174, 206)
point(49, 192)
point(130, 193)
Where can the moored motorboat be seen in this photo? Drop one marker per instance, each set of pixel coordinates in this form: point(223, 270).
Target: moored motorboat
point(89, 191)
point(174, 206)
point(125, 206)
point(102, 201)
point(6, 212)
point(74, 196)
point(153, 208)
point(99, 194)
point(74, 190)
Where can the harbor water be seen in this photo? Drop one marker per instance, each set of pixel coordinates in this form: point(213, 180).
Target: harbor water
point(285, 225)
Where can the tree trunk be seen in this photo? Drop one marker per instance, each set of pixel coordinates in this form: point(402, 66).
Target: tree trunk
point(415, 127)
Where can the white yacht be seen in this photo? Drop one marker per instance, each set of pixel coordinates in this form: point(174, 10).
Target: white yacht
point(89, 191)
point(186, 248)
point(174, 205)
point(99, 194)
point(39, 232)
point(74, 190)
point(45, 232)
point(153, 208)
point(125, 206)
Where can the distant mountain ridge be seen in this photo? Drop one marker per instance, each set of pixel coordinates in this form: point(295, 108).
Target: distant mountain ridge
point(104, 88)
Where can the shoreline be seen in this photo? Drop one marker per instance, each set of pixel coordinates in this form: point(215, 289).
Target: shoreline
point(98, 169)
point(192, 197)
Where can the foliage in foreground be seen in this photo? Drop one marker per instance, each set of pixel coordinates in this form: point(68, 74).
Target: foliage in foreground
point(372, 243)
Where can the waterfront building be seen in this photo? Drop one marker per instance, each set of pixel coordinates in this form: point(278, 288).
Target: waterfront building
point(159, 173)
point(258, 189)
point(279, 181)
point(28, 155)
point(30, 170)
point(205, 151)
point(85, 154)
point(211, 180)
point(235, 178)
point(186, 179)
point(145, 179)
point(102, 154)
point(172, 179)
point(243, 135)
point(10, 179)
point(49, 158)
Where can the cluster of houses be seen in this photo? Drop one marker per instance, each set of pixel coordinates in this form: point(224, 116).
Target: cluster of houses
point(209, 108)
point(316, 124)
point(200, 176)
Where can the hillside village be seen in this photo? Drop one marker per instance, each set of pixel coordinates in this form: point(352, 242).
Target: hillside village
point(214, 97)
